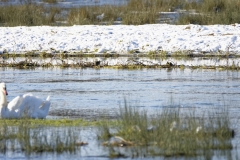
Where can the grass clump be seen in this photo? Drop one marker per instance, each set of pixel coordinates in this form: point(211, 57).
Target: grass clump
point(90, 15)
point(30, 138)
point(170, 133)
point(213, 12)
point(28, 14)
point(36, 136)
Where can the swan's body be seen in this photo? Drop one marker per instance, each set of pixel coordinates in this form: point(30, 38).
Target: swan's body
point(24, 106)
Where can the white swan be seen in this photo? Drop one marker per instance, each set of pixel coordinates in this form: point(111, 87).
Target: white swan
point(23, 106)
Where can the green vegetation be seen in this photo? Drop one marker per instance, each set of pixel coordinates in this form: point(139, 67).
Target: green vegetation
point(135, 12)
point(29, 138)
point(52, 122)
point(50, 1)
point(169, 133)
point(43, 135)
point(213, 12)
point(28, 14)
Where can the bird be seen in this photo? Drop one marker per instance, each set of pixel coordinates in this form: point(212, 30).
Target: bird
point(173, 126)
point(23, 106)
point(100, 17)
point(198, 129)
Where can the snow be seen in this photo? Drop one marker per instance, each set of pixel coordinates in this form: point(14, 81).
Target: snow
point(121, 39)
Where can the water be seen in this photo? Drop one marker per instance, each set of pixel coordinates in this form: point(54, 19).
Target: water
point(106, 88)
point(91, 93)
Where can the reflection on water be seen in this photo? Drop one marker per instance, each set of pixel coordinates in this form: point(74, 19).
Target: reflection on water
point(93, 92)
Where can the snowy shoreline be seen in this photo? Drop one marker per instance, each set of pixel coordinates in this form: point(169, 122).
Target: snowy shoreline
point(123, 62)
point(121, 39)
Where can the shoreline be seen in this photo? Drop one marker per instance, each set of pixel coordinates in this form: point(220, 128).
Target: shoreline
point(134, 61)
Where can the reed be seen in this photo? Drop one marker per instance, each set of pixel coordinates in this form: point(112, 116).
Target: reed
point(135, 12)
point(138, 12)
point(37, 136)
point(32, 139)
point(171, 133)
point(92, 15)
point(213, 12)
point(28, 14)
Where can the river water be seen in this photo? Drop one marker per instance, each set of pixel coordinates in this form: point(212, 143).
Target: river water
point(93, 93)
point(107, 88)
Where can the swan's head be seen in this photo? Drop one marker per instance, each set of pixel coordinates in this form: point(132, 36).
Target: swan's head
point(3, 88)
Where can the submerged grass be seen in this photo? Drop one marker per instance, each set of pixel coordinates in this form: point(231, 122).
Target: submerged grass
point(29, 138)
point(36, 136)
point(170, 133)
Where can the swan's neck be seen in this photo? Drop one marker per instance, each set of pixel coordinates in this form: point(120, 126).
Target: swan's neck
point(3, 100)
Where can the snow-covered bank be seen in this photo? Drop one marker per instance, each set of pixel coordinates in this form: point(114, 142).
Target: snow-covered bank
point(121, 39)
